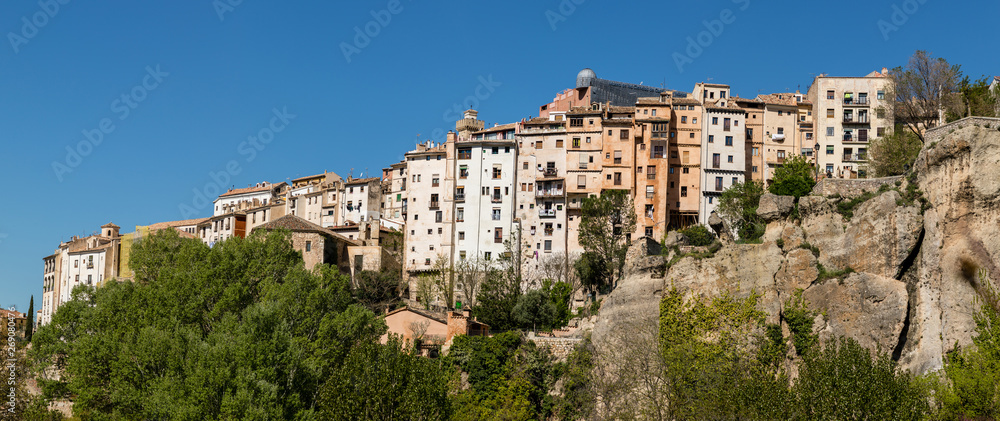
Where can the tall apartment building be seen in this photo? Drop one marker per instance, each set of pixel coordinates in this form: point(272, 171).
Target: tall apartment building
point(541, 199)
point(723, 147)
point(429, 219)
point(656, 159)
point(684, 175)
point(484, 190)
point(848, 113)
point(394, 195)
point(361, 200)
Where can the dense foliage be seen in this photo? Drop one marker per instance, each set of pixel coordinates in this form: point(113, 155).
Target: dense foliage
point(796, 177)
point(698, 235)
point(237, 331)
point(606, 226)
point(738, 207)
point(894, 153)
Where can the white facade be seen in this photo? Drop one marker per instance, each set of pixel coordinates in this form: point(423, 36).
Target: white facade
point(429, 219)
point(723, 154)
point(849, 112)
point(361, 200)
point(81, 268)
point(541, 202)
point(258, 195)
point(484, 197)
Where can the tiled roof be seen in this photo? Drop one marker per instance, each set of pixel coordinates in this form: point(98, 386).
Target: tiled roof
point(248, 190)
point(778, 99)
point(362, 180)
point(583, 111)
point(426, 314)
point(686, 101)
point(499, 128)
point(651, 101)
point(296, 224)
point(542, 120)
point(174, 224)
point(750, 100)
point(620, 109)
point(110, 225)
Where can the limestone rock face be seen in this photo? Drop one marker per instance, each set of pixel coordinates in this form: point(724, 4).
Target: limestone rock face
point(773, 207)
point(636, 299)
point(869, 308)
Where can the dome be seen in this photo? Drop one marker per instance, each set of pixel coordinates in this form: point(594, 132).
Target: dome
point(585, 78)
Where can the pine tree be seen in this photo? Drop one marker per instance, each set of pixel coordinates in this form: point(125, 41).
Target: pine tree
point(30, 325)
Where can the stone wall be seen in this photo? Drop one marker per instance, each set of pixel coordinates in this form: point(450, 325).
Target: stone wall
point(938, 133)
point(559, 347)
point(851, 187)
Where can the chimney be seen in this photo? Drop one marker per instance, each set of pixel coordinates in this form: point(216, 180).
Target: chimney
point(885, 71)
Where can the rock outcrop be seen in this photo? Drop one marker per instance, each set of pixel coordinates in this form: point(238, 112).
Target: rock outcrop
point(916, 261)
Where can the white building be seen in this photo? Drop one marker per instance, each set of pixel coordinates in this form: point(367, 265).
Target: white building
point(723, 151)
point(484, 192)
point(245, 198)
point(428, 213)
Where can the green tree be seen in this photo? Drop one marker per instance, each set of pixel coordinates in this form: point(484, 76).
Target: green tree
point(385, 382)
point(894, 153)
point(237, 331)
point(699, 235)
point(606, 226)
point(738, 207)
point(975, 99)
point(534, 310)
point(795, 178)
point(845, 382)
point(29, 325)
point(498, 295)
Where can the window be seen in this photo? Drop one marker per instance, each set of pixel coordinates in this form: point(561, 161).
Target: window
point(726, 123)
point(736, 180)
point(559, 143)
point(686, 155)
point(715, 121)
point(461, 235)
point(463, 172)
point(90, 279)
point(435, 181)
point(684, 119)
point(829, 149)
point(496, 214)
point(618, 178)
point(309, 246)
point(427, 261)
point(880, 131)
point(496, 150)
point(880, 95)
point(618, 157)
point(496, 172)
point(581, 181)
point(651, 172)
point(684, 191)
point(730, 159)
point(829, 131)
point(76, 263)
point(576, 122)
point(829, 113)
point(461, 255)
point(685, 170)
point(465, 153)
point(460, 215)
point(429, 232)
point(438, 216)
point(718, 183)
point(755, 151)
point(754, 168)
point(716, 160)
point(650, 192)
point(711, 138)
point(694, 120)
point(623, 134)
point(548, 246)
point(729, 141)
point(496, 195)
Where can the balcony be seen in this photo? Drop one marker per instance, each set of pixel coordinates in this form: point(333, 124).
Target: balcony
point(551, 172)
point(778, 137)
point(856, 120)
point(549, 193)
point(496, 199)
point(856, 157)
point(856, 102)
point(546, 213)
point(858, 138)
point(779, 160)
point(548, 232)
point(460, 197)
point(435, 205)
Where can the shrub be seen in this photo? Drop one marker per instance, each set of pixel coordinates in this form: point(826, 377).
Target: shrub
point(699, 235)
point(794, 178)
point(810, 247)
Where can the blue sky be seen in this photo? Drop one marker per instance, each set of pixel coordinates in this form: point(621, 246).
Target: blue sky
point(219, 73)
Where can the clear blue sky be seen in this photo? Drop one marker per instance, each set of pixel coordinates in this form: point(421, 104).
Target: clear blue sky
point(226, 75)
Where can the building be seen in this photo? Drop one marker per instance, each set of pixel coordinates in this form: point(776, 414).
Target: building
point(362, 199)
point(654, 159)
point(245, 198)
point(431, 330)
point(723, 147)
point(591, 89)
point(684, 194)
point(80, 261)
point(429, 218)
point(20, 321)
point(848, 113)
point(317, 244)
point(541, 203)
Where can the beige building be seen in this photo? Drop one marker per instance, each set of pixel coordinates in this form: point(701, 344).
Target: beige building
point(428, 215)
point(317, 244)
point(80, 261)
point(684, 190)
point(848, 113)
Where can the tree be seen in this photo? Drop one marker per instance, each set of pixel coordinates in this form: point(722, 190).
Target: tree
point(378, 291)
point(606, 225)
point(974, 99)
point(501, 289)
point(471, 275)
point(738, 207)
point(698, 235)
point(895, 153)
point(794, 178)
point(922, 89)
point(237, 331)
point(29, 325)
point(443, 277)
point(592, 270)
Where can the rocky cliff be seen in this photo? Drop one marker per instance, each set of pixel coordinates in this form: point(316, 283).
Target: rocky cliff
point(896, 272)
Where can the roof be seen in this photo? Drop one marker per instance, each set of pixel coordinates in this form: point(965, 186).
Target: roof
point(248, 190)
point(616, 109)
point(584, 110)
point(651, 100)
point(362, 180)
point(779, 99)
point(110, 225)
point(296, 224)
point(8, 313)
point(499, 128)
point(686, 101)
point(418, 311)
point(324, 174)
point(175, 224)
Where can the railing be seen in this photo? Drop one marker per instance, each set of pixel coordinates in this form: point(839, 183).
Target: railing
point(460, 197)
point(548, 232)
point(548, 192)
point(583, 165)
point(651, 176)
point(551, 172)
point(856, 120)
point(859, 101)
point(546, 213)
point(855, 157)
point(435, 205)
point(497, 199)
